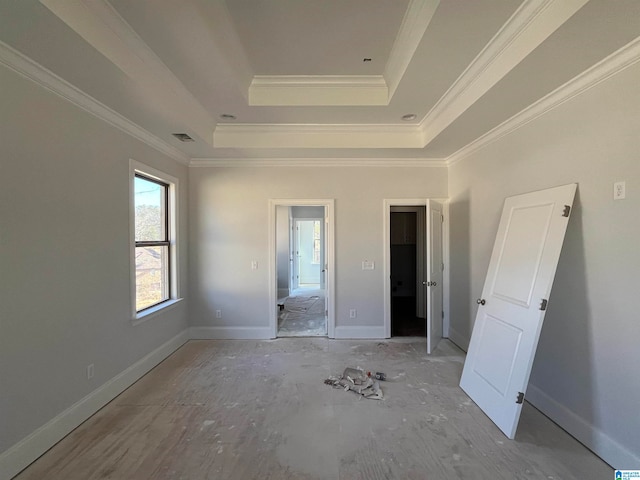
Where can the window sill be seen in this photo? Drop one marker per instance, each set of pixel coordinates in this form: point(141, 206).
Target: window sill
point(155, 311)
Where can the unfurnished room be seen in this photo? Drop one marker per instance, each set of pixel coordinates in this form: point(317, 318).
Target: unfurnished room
point(319, 239)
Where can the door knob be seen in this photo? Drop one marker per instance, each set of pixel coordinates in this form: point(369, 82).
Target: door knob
point(481, 301)
point(425, 283)
point(430, 284)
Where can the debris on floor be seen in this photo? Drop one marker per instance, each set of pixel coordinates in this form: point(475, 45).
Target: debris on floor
point(358, 381)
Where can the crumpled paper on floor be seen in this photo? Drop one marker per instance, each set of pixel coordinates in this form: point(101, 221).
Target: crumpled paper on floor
point(357, 381)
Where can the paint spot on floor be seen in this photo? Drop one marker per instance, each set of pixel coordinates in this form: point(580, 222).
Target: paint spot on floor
point(220, 450)
point(457, 457)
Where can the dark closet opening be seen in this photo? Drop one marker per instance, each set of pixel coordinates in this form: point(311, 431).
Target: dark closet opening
point(404, 263)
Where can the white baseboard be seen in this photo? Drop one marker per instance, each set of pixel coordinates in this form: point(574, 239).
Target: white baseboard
point(375, 332)
point(23, 453)
point(460, 340)
point(593, 438)
point(230, 333)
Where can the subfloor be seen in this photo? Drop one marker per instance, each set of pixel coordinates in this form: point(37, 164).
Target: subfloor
point(303, 313)
point(225, 409)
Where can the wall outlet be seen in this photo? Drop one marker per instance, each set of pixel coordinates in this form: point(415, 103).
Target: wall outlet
point(353, 313)
point(218, 313)
point(254, 264)
point(90, 371)
point(619, 190)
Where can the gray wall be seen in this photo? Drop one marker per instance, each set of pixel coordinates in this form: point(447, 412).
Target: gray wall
point(585, 373)
point(64, 256)
point(229, 228)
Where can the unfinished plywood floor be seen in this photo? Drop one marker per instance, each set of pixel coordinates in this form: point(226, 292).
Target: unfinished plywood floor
point(259, 410)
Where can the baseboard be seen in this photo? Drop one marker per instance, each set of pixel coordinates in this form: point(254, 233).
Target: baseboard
point(376, 332)
point(230, 333)
point(23, 453)
point(460, 340)
point(593, 438)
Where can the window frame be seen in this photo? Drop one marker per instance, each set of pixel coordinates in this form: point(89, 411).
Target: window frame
point(137, 169)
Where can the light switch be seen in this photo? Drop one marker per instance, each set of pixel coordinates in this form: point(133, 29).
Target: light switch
point(368, 265)
point(254, 265)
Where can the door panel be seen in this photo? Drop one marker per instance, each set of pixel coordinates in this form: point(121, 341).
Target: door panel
point(434, 274)
point(509, 318)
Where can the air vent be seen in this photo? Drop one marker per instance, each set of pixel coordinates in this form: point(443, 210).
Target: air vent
point(183, 137)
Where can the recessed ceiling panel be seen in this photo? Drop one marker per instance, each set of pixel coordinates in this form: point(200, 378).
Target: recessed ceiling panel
point(317, 37)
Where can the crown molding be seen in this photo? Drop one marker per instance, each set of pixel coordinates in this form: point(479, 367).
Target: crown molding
point(530, 25)
point(38, 74)
point(317, 162)
point(414, 24)
point(601, 71)
point(99, 23)
point(316, 136)
point(317, 90)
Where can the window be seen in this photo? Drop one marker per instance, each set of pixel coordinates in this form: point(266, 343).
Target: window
point(153, 219)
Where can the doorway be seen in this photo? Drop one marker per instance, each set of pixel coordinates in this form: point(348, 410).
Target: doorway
point(418, 266)
point(302, 281)
point(408, 314)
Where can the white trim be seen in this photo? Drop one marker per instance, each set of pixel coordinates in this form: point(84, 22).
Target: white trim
point(360, 332)
point(318, 90)
point(174, 260)
point(601, 71)
point(592, 437)
point(329, 205)
point(100, 24)
point(284, 135)
point(531, 24)
point(23, 453)
point(414, 24)
point(387, 203)
point(38, 74)
point(230, 333)
point(318, 162)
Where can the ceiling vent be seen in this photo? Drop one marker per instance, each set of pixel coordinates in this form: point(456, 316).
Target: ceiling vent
point(183, 137)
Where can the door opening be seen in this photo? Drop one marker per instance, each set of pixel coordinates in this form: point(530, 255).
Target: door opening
point(302, 274)
point(408, 316)
point(414, 246)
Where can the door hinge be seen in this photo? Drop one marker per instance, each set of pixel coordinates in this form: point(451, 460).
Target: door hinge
point(566, 211)
point(443, 315)
point(442, 218)
point(543, 304)
point(443, 267)
point(520, 398)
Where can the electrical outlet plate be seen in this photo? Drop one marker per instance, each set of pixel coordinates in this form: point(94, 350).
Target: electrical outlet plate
point(619, 190)
point(218, 313)
point(353, 313)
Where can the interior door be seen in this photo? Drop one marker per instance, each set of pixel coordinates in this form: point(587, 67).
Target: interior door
point(434, 274)
point(513, 303)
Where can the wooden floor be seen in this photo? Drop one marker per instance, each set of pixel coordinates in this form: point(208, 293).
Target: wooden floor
point(260, 410)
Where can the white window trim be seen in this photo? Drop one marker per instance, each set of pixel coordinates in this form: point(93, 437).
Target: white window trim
point(174, 279)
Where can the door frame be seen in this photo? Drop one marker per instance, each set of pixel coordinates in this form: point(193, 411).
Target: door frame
point(329, 207)
point(386, 256)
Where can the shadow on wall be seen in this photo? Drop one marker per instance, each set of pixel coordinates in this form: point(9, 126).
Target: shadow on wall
point(563, 369)
point(460, 246)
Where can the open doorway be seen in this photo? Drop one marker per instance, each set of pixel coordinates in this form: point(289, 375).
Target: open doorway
point(414, 269)
point(407, 251)
point(302, 252)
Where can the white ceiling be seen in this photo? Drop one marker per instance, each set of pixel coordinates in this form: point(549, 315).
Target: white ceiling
point(294, 74)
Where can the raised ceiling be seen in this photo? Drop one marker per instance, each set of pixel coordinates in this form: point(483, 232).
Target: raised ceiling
point(318, 79)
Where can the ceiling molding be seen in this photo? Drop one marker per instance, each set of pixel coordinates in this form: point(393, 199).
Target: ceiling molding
point(349, 90)
point(97, 22)
point(317, 162)
point(415, 22)
point(528, 27)
point(601, 71)
point(317, 90)
point(316, 136)
point(35, 72)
